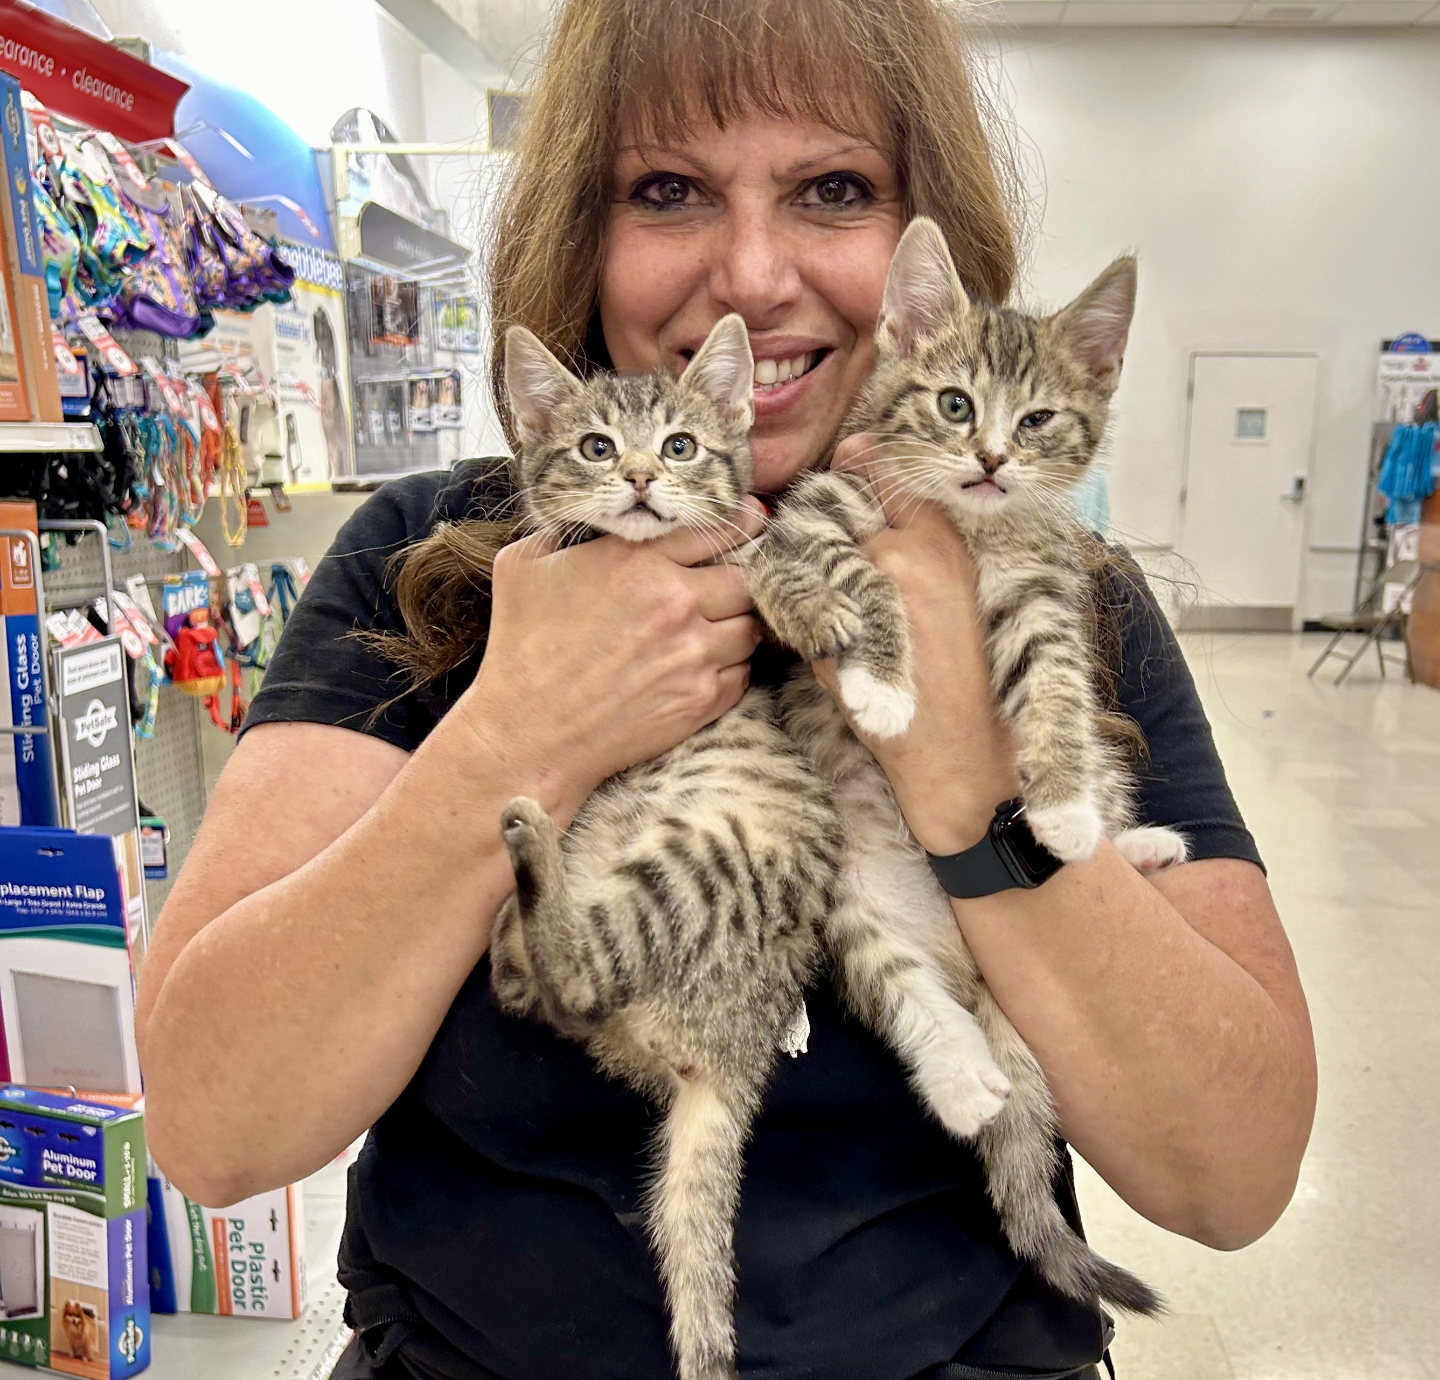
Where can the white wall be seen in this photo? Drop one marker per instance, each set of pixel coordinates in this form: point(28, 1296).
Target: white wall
point(1280, 187)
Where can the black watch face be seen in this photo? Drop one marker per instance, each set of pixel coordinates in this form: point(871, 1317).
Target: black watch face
point(1035, 860)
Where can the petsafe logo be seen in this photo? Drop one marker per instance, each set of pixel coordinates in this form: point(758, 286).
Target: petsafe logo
point(130, 1340)
point(92, 726)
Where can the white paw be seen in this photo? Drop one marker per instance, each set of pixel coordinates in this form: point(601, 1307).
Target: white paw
point(970, 1099)
point(1150, 849)
point(1070, 831)
point(879, 710)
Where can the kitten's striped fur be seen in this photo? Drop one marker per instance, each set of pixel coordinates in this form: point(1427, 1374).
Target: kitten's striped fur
point(1035, 401)
point(674, 927)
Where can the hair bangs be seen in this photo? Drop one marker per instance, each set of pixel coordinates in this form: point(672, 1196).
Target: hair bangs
point(719, 61)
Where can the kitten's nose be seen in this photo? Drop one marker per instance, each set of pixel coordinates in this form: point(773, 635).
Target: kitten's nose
point(990, 463)
point(640, 479)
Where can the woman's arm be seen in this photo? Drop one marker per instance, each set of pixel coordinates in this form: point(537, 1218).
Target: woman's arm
point(1167, 1013)
point(340, 891)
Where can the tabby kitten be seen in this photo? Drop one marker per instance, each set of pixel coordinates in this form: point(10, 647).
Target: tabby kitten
point(992, 414)
point(673, 928)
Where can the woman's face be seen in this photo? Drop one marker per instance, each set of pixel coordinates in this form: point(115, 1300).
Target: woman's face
point(792, 225)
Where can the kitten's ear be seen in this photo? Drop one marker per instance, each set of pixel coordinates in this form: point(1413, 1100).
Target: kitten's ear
point(535, 381)
point(1097, 323)
point(922, 289)
point(723, 369)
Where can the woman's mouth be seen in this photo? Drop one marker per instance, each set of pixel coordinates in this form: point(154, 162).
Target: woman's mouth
point(780, 381)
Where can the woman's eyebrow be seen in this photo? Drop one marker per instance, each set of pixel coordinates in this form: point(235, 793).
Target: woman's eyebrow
point(829, 157)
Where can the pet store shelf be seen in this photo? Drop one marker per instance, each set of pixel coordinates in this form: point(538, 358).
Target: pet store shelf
point(187, 1347)
point(28, 437)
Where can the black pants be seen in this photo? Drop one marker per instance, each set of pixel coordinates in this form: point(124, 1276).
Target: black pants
point(356, 1364)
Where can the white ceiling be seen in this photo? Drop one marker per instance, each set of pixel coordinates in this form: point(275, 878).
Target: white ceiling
point(1266, 13)
point(508, 30)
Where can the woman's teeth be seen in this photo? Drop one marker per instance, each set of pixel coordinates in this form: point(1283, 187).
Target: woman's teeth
point(772, 371)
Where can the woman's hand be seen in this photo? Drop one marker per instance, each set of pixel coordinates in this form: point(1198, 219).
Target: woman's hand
point(609, 653)
point(956, 762)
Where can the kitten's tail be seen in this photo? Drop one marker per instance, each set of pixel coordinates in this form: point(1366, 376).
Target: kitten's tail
point(692, 1205)
point(1020, 1159)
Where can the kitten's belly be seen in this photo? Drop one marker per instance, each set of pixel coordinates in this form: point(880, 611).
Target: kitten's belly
point(882, 860)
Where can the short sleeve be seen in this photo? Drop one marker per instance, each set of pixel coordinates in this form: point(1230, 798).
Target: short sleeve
point(1181, 782)
point(321, 671)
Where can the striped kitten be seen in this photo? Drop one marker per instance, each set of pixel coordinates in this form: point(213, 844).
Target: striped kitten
point(992, 414)
point(674, 927)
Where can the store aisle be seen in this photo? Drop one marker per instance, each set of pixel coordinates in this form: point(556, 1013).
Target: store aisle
point(1342, 790)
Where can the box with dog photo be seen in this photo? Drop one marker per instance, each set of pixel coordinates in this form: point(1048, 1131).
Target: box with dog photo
point(74, 1293)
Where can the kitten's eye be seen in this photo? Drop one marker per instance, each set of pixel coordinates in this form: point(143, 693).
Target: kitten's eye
point(679, 447)
point(597, 449)
point(1035, 420)
point(955, 406)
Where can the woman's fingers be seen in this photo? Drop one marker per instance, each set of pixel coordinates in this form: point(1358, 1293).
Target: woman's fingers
point(719, 591)
point(732, 640)
point(690, 547)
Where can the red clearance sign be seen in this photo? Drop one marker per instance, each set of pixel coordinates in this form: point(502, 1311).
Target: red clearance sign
point(82, 77)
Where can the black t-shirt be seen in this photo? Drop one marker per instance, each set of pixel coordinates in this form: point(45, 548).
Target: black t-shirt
point(496, 1207)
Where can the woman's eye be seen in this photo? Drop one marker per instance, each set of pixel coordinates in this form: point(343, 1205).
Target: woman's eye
point(664, 189)
point(839, 189)
point(1034, 420)
point(597, 448)
point(955, 406)
point(680, 447)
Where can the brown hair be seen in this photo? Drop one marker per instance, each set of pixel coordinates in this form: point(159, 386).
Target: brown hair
point(895, 71)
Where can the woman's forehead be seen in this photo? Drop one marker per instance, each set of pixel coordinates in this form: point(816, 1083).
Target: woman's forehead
point(786, 144)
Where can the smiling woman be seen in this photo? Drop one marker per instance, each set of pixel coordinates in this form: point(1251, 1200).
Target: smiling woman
point(683, 164)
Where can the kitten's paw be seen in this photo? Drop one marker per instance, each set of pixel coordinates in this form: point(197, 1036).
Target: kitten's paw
point(970, 1100)
point(1071, 831)
point(879, 710)
point(523, 826)
point(822, 626)
point(1150, 849)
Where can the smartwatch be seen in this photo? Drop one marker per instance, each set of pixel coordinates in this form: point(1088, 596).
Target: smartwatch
point(1008, 856)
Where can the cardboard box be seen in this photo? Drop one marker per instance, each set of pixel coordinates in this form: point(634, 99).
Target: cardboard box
point(245, 1261)
point(67, 1006)
point(27, 768)
point(74, 1292)
point(14, 396)
point(26, 264)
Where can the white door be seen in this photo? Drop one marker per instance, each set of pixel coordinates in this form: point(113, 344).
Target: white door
point(1247, 475)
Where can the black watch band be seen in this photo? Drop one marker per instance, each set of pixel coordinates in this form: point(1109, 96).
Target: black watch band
point(1008, 856)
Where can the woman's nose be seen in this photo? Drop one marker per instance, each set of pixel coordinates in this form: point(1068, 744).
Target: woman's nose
point(754, 270)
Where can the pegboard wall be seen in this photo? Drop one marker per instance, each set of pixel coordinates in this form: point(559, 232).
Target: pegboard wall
point(169, 768)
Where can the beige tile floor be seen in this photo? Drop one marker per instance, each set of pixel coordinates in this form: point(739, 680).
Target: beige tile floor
point(1342, 790)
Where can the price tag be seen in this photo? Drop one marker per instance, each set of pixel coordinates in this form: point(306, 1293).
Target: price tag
point(123, 160)
point(137, 620)
point(182, 156)
point(255, 514)
point(45, 133)
point(197, 549)
point(208, 418)
point(237, 375)
point(129, 639)
point(65, 361)
point(111, 355)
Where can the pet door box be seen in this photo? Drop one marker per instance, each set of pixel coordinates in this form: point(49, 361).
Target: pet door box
point(74, 1291)
point(245, 1261)
point(67, 1006)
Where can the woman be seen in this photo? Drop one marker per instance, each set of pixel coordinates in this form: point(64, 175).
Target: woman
point(684, 161)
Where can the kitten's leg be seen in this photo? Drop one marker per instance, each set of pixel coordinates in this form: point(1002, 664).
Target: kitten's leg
point(692, 1207)
point(511, 977)
point(1151, 848)
point(814, 586)
point(893, 984)
point(1021, 1159)
point(1040, 671)
point(577, 975)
